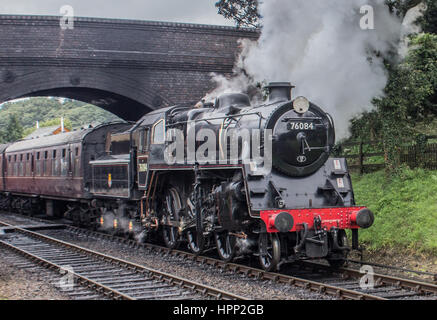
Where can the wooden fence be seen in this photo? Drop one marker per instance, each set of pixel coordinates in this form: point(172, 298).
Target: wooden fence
point(368, 156)
point(425, 158)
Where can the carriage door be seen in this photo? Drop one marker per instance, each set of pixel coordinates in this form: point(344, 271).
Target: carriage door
point(143, 155)
point(32, 164)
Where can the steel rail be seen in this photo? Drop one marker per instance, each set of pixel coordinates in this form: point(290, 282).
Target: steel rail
point(153, 273)
point(79, 278)
point(434, 275)
point(380, 279)
point(417, 286)
point(339, 292)
point(314, 286)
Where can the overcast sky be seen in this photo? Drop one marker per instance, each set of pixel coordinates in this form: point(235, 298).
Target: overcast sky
point(192, 11)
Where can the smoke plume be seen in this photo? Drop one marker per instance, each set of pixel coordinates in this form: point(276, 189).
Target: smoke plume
point(320, 47)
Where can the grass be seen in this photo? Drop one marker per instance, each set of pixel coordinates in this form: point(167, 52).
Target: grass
point(405, 208)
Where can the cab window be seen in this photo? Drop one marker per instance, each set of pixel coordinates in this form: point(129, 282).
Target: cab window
point(159, 132)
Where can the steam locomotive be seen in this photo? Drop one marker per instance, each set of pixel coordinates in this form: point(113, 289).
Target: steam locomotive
point(249, 180)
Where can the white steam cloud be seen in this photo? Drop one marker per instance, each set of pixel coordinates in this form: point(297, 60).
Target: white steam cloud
point(319, 46)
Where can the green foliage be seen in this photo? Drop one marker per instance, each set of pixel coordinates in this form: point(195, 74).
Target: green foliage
point(48, 112)
point(366, 126)
point(429, 19)
point(243, 12)
point(13, 130)
point(405, 209)
point(410, 95)
point(412, 84)
point(56, 122)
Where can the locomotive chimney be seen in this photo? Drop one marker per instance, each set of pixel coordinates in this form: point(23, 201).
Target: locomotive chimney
point(279, 91)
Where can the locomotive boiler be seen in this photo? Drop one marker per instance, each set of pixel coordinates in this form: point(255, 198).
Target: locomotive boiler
point(248, 179)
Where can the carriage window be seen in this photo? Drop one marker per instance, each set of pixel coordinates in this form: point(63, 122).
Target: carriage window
point(15, 166)
point(55, 163)
point(38, 164)
point(77, 167)
point(64, 163)
point(76, 152)
point(159, 132)
point(10, 166)
point(45, 168)
point(28, 156)
point(21, 166)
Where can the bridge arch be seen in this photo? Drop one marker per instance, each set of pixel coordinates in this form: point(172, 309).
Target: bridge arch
point(124, 66)
point(124, 97)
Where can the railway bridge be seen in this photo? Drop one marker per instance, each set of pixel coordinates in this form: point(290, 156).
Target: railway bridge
point(127, 67)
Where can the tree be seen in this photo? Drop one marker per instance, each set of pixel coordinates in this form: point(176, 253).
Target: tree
point(366, 126)
point(243, 12)
point(14, 130)
point(410, 96)
point(56, 122)
point(429, 19)
point(41, 109)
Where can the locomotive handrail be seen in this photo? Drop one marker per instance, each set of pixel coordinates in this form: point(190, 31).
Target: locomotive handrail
point(216, 118)
point(300, 119)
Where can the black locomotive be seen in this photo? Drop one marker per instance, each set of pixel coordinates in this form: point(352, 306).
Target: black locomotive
point(246, 179)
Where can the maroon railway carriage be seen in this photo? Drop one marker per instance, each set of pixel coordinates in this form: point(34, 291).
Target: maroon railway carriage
point(52, 171)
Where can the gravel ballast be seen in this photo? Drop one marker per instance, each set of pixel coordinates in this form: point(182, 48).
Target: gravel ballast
point(19, 284)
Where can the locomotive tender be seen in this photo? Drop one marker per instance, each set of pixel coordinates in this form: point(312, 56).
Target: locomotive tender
point(248, 180)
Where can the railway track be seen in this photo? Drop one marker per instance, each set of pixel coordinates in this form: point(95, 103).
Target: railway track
point(384, 286)
point(109, 276)
point(433, 276)
point(343, 283)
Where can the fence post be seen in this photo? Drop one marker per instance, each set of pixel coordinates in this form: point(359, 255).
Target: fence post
point(415, 156)
point(361, 158)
